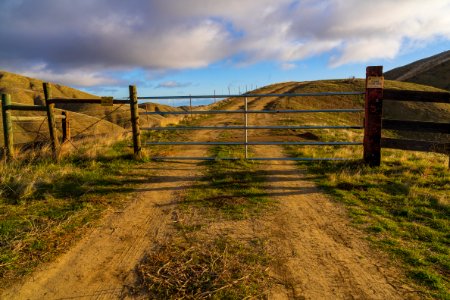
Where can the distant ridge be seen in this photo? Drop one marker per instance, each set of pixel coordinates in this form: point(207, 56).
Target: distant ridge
point(433, 71)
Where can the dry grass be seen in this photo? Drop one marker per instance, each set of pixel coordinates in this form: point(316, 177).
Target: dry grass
point(45, 207)
point(219, 269)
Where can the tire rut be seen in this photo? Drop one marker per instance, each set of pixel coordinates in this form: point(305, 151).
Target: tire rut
point(101, 265)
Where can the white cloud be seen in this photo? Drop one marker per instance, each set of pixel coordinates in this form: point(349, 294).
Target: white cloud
point(171, 84)
point(83, 41)
point(74, 77)
point(288, 66)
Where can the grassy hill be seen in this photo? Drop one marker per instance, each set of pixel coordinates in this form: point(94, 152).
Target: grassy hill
point(86, 118)
point(26, 90)
point(413, 111)
point(433, 71)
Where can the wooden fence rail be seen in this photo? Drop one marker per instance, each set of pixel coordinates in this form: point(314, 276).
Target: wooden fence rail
point(8, 107)
point(107, 101)
point(49, 108)
point(374, 123)
point(403, 125)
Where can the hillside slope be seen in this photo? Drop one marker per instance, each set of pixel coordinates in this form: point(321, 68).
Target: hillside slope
point(434, 71)
point(414, 111)
point(29, 91)
point(87, 119)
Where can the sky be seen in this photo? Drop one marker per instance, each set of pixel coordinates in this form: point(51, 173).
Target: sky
point(182, 47)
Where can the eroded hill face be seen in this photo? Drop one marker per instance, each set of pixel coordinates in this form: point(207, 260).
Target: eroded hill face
point(433, 71)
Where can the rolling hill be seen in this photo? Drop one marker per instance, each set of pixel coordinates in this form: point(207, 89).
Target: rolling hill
point(107, 120)
point(413, 111)
point(29, 91)
point(433, 71)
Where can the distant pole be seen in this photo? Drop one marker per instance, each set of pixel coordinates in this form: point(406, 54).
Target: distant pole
point(229, 93)
point(190, 105)
point(239, 90)
point(51, 121)
point(246, 126)
point(373, 113)
point(7, 127)
point(137, 147)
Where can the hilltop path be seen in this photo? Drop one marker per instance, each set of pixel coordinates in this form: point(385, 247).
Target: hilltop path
point(319, 255)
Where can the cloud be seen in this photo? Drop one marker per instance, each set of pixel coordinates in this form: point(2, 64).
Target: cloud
point(172, 84)
point(72, 77)
point(288, 66)
point(83, 42)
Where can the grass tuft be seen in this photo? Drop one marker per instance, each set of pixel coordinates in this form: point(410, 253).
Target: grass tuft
point(219, 269)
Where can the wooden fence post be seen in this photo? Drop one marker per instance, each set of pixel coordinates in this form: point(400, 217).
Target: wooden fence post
point(135, 122)
point(373, 112)
point(65, 125)
point(7, 127)
point(51, 121)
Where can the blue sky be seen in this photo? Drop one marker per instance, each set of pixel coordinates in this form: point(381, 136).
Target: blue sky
point(173, 47)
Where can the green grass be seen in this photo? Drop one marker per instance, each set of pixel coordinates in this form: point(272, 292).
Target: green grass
point(403, 205)
point(45, 206)
point(233, 188)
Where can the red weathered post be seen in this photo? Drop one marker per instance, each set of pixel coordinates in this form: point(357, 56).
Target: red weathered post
point(373, 113)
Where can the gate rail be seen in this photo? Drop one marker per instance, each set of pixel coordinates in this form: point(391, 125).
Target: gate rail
point(247, 127)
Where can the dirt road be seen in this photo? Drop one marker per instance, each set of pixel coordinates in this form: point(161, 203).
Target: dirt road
point(318, 254)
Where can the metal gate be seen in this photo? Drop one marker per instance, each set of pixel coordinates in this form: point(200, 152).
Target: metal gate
point(245, 112)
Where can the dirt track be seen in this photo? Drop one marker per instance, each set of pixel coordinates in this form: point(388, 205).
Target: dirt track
point(318, 254)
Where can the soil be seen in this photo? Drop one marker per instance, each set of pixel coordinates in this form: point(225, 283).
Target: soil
point(318, 254)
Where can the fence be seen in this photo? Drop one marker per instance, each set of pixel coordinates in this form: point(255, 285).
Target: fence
point(373, 121)
point(49, 108)
point(8, 107)
point(245, 127)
